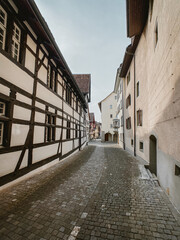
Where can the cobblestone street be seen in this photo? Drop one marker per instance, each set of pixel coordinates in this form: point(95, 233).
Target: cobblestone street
point(99, 193)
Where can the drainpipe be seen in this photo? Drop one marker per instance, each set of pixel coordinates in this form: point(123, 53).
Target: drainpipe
point(124, 146)
point(134, 105)
point(133, 54)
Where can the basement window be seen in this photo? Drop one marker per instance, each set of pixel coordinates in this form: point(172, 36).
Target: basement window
point(177, 170)
point(141, 146)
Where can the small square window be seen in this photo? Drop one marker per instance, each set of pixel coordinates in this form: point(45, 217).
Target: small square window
point(131, 142)
point(2, 108)
point(139, 118)
point(111, 115)
point(128, 78)
point(141, 146)
point(137, 89)
point(156, 34)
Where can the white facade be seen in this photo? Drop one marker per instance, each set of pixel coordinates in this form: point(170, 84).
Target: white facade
point(151, 91)
point(42, 111)
point(108, 113)
point(118, 89)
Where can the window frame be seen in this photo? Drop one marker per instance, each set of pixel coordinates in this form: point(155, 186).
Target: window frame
point(139, 118)
point(16, 42)
point(128, 123)
point(50, 127)
point(141, 143)
point(52, 77)
point(1, 133)
point(3, 108)
point(3, 27)
point(68, 130)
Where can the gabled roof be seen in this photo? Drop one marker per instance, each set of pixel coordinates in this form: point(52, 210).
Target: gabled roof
point(99, 104)
point(84, 83)
point(30, 12)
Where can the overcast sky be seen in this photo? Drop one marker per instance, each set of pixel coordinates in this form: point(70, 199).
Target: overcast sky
point(91, 35)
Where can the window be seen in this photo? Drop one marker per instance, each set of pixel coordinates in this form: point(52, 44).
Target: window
point(111, 125)
point(139, 118)
point(156, 33)
point(16, 39)
point(4, 123)
point(115, 97)
point(131, 142)
point(121, 104)
point(128, 101)
point(50, 129)
point(3, 23)
point(128, 78)
point(141, 146)
point(128, 123)
point(76, 131)
point(2, 108)
point(68, 130)
point(111, 115)
point(52, 78)
point(76, 104)
point(122, 121)
point(177, 170)
point(137, 89)
point(110, 106)
point(68, 95)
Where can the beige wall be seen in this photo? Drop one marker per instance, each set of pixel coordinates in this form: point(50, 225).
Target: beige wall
point(157, 70)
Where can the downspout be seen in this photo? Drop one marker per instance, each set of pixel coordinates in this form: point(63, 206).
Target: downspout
point(134, 106)
point(124, 146)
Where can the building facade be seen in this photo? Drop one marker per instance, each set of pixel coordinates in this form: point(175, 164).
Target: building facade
point(151, 89)
point(118, 122)
point(108, 112)
point(42, 110)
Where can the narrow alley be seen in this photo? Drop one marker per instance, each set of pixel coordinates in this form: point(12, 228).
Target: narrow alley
point(99, 193)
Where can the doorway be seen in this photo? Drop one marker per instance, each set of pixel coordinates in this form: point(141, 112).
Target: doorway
point(153, 154)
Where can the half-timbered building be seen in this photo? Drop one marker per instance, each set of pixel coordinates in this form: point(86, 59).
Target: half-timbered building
point(42, 110)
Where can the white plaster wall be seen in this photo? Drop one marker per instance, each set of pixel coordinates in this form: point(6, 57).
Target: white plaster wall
point(29, 61)
point(44, 152)
point(8, 162)
point(68, 109)
point(58, 133)
point(106, 111)
point(39, 117)
point(38, 134)
point(66, 147)
point(42, 74)
point(76, 143)
point(21, 113)
point(40, 105)
point(19, 134)
point(31, 43)
point(15, 75)
point(5, 90)
point(47, 95)
point(24, 99)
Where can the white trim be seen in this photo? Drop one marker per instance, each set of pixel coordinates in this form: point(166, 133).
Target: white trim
point(4, 107)
point(1, 133)
point(3, 27)
point(13, 6)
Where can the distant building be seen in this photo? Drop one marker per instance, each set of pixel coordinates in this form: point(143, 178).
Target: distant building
point(97, 131)
point(42, 110)
point(118, 122)
point(84, 84)
point(92, 125)
point(151, 89)
point(108, 112)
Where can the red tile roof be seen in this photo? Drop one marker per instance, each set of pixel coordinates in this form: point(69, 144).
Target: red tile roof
point(83, 82)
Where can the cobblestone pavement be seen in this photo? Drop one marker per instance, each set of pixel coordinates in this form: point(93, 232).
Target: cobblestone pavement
point(100, 193)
